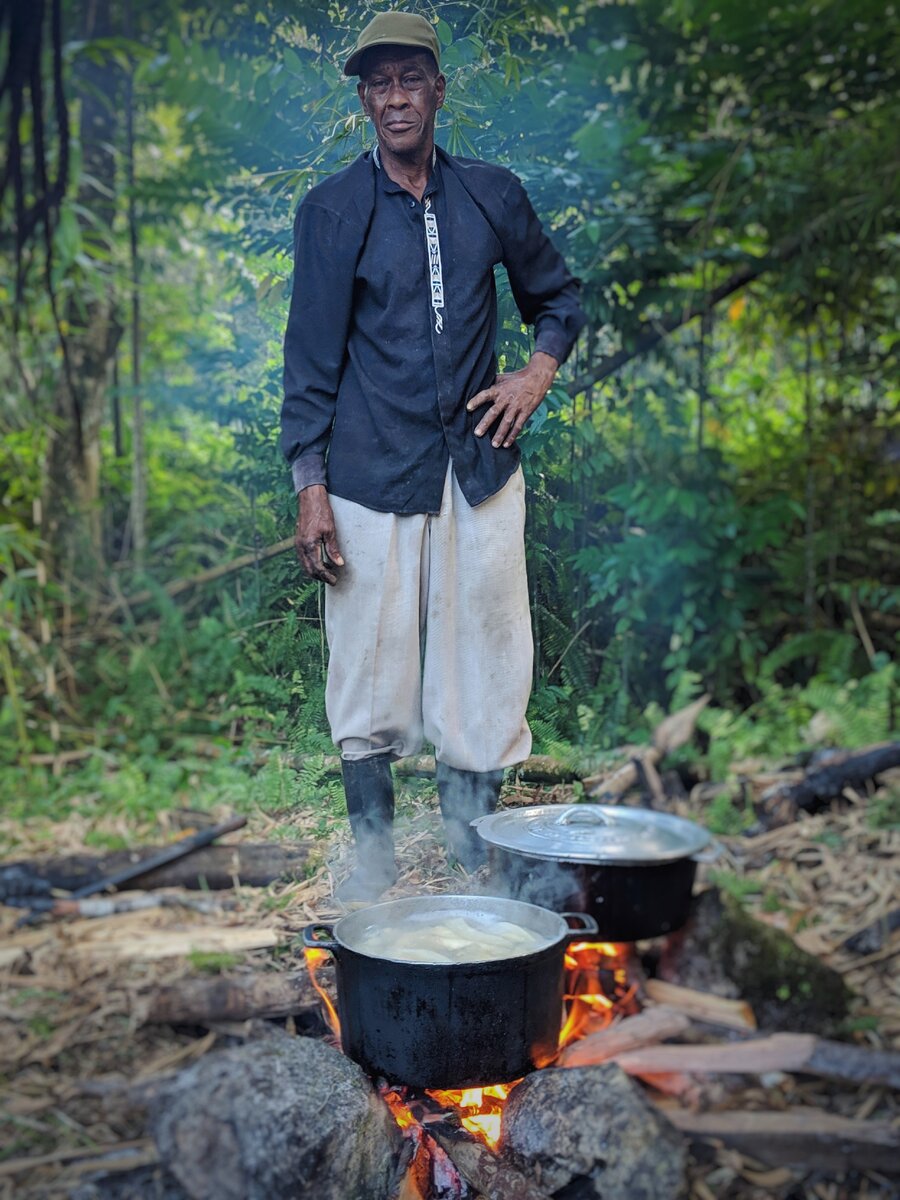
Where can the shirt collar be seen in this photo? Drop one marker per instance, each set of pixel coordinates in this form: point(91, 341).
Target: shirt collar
point(389, 185)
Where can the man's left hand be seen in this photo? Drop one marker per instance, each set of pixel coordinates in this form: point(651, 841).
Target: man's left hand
point(513, 398)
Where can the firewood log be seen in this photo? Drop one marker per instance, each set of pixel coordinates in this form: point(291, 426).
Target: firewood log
point(702, 1006)
point(193, 1000)
point(802, 1053)
point(489, 1174)
point(802, 1137)
point(652, 1025)
point(826, 781)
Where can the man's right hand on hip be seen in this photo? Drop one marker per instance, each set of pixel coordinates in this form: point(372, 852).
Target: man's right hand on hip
point(315, 536)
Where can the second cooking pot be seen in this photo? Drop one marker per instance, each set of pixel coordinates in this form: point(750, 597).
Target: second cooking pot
point(630, 868)
point(450, 1025)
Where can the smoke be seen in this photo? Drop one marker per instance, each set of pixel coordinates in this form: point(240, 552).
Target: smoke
point(536, 881)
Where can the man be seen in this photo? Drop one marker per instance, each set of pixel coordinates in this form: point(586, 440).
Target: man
point(416, 523)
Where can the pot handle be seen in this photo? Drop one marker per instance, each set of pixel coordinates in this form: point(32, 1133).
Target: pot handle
point(588, 928)
point(580, 814)
point(713, 851)
point(319, 937)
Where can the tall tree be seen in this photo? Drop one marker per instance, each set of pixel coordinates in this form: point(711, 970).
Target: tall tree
point(92, 327)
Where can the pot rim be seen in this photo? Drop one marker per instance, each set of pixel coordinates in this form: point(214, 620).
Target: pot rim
point(512, 830)
point(505, 909)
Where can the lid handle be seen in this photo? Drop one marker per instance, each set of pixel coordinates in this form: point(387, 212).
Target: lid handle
point(580, 814)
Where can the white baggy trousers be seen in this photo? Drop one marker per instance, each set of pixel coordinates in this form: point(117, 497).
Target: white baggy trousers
point(429, 631)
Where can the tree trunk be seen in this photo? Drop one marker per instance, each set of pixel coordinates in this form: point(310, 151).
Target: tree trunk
point(72, 481)
point(138, 511)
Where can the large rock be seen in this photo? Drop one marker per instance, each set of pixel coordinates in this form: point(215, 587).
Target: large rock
point(276, 1120)
point(587, 1133)
point(725, 950)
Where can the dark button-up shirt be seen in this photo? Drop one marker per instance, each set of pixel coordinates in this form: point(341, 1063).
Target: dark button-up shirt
point(378, 378)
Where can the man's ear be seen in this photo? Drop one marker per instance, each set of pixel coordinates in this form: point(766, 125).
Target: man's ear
point(440, 87)
point(361, 92)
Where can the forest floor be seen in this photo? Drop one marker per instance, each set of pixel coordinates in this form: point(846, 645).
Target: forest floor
point(72, 1032)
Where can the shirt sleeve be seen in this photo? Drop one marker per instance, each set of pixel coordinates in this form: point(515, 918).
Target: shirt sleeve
point(546, 293)
point(315, 341)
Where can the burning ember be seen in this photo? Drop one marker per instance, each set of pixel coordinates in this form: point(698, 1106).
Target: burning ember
point(480, 1109)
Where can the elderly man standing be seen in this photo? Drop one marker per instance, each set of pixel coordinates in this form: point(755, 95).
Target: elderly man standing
point(402, 441)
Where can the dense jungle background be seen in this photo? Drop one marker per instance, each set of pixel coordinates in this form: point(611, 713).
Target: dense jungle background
point(713, 479)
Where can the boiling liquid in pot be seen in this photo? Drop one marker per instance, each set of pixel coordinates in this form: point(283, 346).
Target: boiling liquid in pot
point(449, 940)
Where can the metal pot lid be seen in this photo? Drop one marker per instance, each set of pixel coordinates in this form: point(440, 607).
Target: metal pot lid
point(593, 833)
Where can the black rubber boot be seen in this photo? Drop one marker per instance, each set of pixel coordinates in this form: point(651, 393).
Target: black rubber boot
point(369, 789)
point(465, 795)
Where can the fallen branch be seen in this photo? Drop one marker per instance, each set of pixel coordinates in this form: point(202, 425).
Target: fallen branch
point(670, 735)
point(871, 939)
point(801, 1137)
point(134, 942)
point(18, 1166)
point(198, 1001)
point(827, 781)
point(658, 330)
point(489, 1175)
point(702, 1006)
point(651, 1025)
point(539, 768)
point(177, 586)
point(796, 1052)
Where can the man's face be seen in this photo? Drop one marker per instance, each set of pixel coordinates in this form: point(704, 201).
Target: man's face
point(401, 91)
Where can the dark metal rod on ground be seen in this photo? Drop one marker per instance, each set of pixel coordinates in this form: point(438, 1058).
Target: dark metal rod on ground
point(135, 870)
point(168, 854)
point(213, 868)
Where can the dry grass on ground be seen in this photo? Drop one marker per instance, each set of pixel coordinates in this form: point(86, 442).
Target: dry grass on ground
point(71, 992)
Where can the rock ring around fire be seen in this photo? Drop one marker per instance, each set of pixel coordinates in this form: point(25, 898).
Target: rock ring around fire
point(590, 1131)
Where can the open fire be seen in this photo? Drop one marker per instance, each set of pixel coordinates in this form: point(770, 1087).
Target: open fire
point(598, 990)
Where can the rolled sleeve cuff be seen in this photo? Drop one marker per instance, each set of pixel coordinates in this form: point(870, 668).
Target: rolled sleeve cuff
point(308, 470)
point(554, 343)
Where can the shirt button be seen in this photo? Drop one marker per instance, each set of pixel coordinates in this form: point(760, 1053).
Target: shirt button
point(412, 203)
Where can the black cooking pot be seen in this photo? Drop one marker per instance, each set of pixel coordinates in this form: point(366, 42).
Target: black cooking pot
point(631, 869)
point(450, 1025)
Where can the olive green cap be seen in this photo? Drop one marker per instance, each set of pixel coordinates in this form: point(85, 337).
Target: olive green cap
point(394, 29)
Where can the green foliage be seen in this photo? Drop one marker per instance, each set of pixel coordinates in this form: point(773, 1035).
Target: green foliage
point(724, 816)
point(716, 515)
point(739, 887)
point(213, 962)
point(884, 809)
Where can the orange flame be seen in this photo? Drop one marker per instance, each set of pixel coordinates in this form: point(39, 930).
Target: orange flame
point(402, 1114)
point(314, 960)
point(480, 1109)
point(591, 1005)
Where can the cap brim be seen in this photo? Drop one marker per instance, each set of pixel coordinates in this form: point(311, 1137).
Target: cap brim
point(351, 66)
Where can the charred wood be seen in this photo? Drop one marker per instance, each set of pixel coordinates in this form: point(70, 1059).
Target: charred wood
point(826, 781)
point(488, 1173)
point(871, 939)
